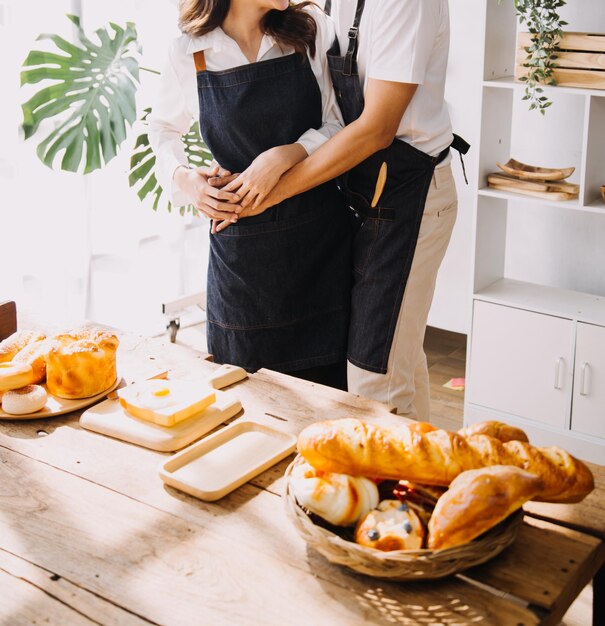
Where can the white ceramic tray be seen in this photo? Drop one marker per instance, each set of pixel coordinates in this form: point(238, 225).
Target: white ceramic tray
point(222, 462)
point(109, 418)
point(60, 406)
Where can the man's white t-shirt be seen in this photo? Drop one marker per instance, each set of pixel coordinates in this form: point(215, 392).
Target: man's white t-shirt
point(405, 41)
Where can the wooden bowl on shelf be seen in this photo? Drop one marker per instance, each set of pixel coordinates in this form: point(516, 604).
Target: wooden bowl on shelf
point(531, 172)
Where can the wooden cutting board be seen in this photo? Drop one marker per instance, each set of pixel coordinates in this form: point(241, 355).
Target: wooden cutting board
point(528, 185)
point(109, 418)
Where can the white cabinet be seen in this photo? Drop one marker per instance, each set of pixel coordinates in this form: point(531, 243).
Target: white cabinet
point(589, 386)
point(521, 363)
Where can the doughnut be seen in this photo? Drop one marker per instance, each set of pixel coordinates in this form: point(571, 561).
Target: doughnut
point(15, 375)
point(16, 342)
point(24, 401)
point(34, 354)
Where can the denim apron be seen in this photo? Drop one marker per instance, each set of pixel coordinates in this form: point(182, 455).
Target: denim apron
point(385, 242)
point(279, 283)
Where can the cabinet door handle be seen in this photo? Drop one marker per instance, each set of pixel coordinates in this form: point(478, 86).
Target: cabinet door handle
point(558, 363)
point(583, 376)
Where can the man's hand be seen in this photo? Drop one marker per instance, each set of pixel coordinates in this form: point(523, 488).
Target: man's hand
point(208, 197)
point(257, 209)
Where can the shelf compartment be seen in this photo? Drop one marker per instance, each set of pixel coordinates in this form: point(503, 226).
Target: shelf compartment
point(508, 82)
point(574, 305)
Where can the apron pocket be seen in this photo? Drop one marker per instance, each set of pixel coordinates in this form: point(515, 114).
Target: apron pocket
point(363, 246)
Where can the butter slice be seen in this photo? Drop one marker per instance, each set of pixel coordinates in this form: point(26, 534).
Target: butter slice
point(166, 402)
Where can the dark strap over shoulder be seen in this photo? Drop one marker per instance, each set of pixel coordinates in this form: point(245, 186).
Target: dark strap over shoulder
point(351, 55)
point(328, 7)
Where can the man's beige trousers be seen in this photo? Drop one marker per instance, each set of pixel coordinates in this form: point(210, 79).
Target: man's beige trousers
point(406, 383)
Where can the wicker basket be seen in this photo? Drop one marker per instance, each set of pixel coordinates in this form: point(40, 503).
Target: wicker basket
point(401, 564)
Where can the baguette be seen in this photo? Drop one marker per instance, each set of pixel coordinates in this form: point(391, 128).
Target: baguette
point(498, 430)
point(350, 446)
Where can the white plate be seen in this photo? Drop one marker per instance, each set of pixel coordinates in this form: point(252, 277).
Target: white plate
point(59, 406)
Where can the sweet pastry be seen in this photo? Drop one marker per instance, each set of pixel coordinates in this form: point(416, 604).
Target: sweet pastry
point(82, 363)
point(393, 525)
point(25, 400)
point(35, 354)
point(16, 342)
point(478, 500)
point(339, 499)
point(14, 375)
point(166, 402)
point(354, 447)
point(498, 430)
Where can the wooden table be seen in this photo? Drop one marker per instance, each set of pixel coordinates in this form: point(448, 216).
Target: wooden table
point(90, 535)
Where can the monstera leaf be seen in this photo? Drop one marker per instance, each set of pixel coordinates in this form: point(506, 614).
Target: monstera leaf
point(142, 164)
point(92, 95)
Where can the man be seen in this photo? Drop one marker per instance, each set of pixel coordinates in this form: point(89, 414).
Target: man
point(388, 66)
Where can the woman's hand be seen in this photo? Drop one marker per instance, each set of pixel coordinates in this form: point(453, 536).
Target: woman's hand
point(258, 180)
point(202, 185)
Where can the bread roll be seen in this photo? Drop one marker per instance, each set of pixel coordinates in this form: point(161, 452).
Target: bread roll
point(25, 400)
point(476, 501)
point(35, 355)
point(82, 363)
point(16, 342)
point(353, 447)
point(393, 525)
point(339, 499)
point(498, 430)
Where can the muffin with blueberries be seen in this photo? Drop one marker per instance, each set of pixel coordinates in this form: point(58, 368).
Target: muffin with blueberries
point(393, 525)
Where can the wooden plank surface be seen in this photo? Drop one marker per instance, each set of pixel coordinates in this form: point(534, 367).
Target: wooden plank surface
point(170, 571)
point(8, 319)
point(30, 595)
point(571, 41)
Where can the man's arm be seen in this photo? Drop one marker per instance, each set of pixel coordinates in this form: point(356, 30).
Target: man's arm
point(385, 104)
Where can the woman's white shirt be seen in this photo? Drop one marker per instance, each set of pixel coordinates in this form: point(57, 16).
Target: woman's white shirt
point(176, 104)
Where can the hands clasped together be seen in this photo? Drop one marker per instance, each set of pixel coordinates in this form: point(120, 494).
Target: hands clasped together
point(225, 197)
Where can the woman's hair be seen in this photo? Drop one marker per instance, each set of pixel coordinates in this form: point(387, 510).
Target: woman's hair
point(293, 27)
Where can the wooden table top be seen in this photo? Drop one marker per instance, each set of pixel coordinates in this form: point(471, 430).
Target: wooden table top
point(90, 535)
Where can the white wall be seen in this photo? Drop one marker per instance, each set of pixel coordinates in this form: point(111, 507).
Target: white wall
point(451, 308)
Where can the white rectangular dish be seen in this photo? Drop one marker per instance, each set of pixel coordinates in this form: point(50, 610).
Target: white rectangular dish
point(219, 464)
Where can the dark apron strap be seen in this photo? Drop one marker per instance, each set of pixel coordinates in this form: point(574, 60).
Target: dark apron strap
point(351, 55)
point(328, 7)
point(462, 147)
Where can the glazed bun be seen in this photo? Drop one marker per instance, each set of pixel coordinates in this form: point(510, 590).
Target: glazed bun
point(14, 375)
point(393, 525)
point(82, 363)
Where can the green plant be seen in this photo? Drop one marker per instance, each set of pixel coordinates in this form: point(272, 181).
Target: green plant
point(545, 25)
point(142, 163)
point(88, 102)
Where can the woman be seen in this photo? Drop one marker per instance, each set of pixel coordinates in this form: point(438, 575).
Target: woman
point(278, 283)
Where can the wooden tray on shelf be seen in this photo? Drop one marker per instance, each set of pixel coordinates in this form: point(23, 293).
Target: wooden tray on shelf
point(524, 171)
point(557, 191)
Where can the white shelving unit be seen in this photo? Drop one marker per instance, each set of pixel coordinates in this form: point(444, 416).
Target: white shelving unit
point(536, 355)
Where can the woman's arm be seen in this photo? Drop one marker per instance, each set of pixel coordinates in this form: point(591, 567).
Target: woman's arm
point(169, 121)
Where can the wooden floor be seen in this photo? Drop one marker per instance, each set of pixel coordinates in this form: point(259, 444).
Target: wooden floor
point(446, 358)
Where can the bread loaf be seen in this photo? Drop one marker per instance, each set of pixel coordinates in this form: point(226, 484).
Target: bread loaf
point(476, 501)
point(35, 355)
point(350, 446)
